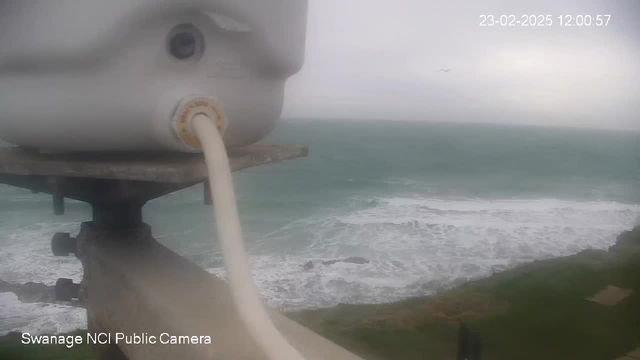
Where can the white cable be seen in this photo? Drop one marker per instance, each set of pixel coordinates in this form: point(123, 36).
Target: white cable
point(243, 288)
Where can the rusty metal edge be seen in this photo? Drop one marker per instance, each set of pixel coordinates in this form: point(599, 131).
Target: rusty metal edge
point(165, 168)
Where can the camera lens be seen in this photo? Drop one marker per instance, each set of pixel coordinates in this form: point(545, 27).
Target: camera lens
point(183, 45)
point(185, 41)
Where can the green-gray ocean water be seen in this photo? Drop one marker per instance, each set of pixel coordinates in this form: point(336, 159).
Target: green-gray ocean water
point(428, 204)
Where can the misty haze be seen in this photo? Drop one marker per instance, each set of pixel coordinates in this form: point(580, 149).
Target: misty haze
point(472, 184)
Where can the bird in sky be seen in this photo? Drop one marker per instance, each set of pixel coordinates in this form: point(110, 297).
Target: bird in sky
point(444, 70)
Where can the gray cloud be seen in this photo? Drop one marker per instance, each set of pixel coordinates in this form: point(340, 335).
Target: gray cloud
point(378, 59)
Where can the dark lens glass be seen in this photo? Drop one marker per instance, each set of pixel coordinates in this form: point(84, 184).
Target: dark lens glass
point(183, 45)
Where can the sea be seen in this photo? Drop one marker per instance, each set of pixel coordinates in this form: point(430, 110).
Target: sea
point(429, 204)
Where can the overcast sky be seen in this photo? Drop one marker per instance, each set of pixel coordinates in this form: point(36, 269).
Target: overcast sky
point(379, 59)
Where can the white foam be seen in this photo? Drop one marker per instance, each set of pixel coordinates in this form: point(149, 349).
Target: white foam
point(417, 246)
point(38, 318)
point(26, 255)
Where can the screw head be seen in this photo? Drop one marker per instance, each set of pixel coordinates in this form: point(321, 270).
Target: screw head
point(66, 290)
point(62, 244)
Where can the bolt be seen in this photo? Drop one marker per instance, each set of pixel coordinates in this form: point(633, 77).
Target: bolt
point(58, 204)
point(62, 244)
point(66, 290)
point(58, 198)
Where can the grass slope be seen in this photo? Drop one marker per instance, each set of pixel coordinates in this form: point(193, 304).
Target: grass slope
point(536, 311)
point(11, 348)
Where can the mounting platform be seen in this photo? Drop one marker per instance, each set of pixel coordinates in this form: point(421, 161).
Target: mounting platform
point(117, 185)
point(175, 168)
point(132, 284)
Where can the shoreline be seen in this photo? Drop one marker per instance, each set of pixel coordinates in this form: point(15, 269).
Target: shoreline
point(527, 308)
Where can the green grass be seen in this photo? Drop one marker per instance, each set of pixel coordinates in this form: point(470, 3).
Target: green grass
point(535, 311)
point(11, 348)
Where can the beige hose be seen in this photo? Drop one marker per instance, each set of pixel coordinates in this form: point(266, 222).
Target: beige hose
point(243, 288)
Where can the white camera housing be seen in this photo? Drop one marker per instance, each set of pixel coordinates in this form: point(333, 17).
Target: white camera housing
point(110, 75)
